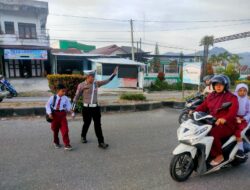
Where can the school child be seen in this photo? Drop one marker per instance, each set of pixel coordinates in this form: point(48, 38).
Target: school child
point(243, 115)
point(58, 114)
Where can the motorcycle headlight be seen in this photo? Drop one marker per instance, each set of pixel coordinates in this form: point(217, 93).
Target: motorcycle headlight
point(188, 105)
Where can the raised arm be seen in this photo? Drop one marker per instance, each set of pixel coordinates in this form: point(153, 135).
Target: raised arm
point(103, 82)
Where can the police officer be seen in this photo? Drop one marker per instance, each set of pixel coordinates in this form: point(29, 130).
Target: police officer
point(91, 110)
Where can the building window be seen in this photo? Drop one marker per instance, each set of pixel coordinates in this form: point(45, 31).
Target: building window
point(9, 28)
point(27, 31)
point(128, 71)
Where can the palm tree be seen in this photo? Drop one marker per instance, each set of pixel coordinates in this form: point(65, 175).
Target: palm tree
point(213, 60)
point(224, 58)
point(206, 41)
point(235, 59)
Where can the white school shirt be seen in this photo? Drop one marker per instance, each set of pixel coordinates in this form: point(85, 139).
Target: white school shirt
point(64, 104)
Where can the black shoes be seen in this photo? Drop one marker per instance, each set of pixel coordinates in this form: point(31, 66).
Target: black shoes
point(240, 154)
point(68, 147)
point(57, 146)
point(84, 140)
point(103, 145)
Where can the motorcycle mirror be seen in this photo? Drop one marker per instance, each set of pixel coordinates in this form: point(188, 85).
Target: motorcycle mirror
point(198, 94)
point(225, 105)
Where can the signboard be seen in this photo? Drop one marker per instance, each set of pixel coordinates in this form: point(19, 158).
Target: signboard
point(191, 72)
point(25, 54)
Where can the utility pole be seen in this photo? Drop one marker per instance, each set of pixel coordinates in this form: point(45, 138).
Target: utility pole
point(137, 54)
point(140, 53)
point(132, 40)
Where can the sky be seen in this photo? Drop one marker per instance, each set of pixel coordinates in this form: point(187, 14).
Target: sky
point(174, 25)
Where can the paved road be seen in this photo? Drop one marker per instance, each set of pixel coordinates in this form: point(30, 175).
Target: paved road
point(138, 158)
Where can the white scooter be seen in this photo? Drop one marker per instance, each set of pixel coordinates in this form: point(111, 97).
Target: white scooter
point(192, 154)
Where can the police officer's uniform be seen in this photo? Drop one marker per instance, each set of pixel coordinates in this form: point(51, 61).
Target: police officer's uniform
point(91, 109)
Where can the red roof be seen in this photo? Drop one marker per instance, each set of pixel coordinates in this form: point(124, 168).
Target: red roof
point(69, 51)
point(106, 50)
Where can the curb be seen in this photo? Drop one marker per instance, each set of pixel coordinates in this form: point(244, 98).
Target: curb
point(40, 111)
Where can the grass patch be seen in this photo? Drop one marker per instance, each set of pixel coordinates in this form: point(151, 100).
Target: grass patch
point(130, 96)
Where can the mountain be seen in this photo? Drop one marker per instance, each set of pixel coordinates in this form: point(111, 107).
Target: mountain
point(171, 53)
point(245, 56)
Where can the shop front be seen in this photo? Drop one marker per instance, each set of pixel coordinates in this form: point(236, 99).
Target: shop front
point(24, 63)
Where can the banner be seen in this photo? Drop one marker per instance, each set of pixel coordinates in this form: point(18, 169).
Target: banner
point(192, 72)
point(25, 54)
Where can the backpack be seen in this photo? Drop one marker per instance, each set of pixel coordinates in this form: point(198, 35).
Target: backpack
point(48, 119)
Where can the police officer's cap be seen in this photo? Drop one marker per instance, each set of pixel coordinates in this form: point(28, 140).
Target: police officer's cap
point(90, 73)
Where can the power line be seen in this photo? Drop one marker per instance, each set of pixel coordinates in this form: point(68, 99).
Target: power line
point(85, 17)
point(192, 21)
point(168, 46)
point(196, 28)
point(104, 31)
point(152, 21)
point(178, 29)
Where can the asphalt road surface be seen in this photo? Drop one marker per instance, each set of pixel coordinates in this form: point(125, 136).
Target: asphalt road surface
point(138, 157)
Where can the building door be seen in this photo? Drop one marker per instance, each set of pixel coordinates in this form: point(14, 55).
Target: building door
point(25, 68)
point(13, 68)
point(36, 66)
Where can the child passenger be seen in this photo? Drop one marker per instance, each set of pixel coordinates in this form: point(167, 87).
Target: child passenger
point(243, 115)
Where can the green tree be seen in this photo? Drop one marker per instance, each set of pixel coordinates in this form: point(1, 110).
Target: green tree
point(235, 59)
point(206, 41)
point(213, 60)
point(156, 65)
point(224, 58)
point(232, 73)
point(220, 70)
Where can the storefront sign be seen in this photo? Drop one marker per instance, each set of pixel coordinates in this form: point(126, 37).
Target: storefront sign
point(25, 54)
point(191, 72)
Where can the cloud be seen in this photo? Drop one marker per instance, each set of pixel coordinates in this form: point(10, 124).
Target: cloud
point(186, 35)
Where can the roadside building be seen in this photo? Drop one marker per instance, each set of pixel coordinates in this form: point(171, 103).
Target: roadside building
point(130, 73)
point(111, 50)
point(24, 42)
point(71, 61)
point(68, 44)
point(123, 52)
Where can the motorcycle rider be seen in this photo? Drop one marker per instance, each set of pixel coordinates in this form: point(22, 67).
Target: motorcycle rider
point(226, 122)
point(209, 88)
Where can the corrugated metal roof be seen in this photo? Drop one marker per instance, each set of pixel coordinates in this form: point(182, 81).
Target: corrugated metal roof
point(118, 61)
point(77, 54)
point(108, 50)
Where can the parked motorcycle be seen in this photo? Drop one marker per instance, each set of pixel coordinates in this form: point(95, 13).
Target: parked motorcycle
point(3, 93)
point(191, 104)
point(192, 154)
point(5, 85)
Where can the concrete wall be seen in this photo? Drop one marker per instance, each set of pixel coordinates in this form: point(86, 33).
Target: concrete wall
point(20, 16)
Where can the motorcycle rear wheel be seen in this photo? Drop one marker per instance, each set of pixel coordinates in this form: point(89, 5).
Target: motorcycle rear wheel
point(181, 167)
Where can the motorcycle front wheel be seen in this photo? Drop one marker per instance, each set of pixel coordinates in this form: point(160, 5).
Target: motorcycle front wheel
point(181, 166)
point(183, 117)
